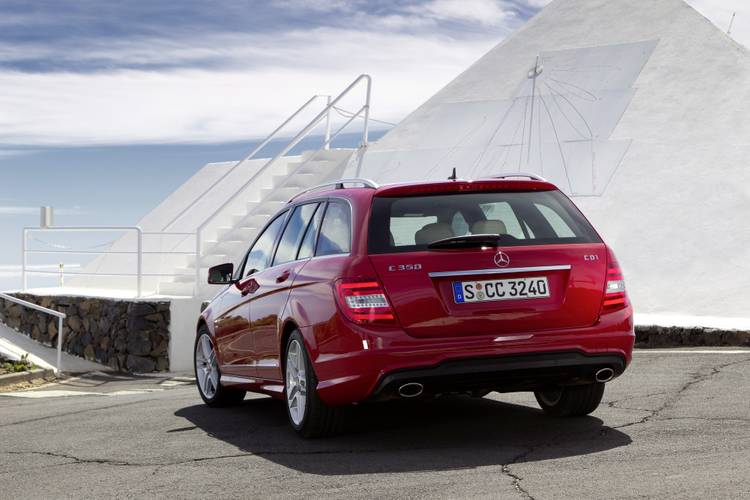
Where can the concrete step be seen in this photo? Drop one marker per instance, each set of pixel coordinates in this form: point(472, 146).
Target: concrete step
point(335, 154)
point(243, 233)
point(176, 288)
point(281, 194)
point(320, 168)
point(209, 260)
point(299, 181)
point(227, 246)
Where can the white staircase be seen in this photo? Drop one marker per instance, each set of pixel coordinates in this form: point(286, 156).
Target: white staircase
point(230, 236)
point(214, 216)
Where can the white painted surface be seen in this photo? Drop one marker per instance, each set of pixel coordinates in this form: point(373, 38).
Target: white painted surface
point(682, 321)
point(675, 208)
point(184, 314)
point(16, 344)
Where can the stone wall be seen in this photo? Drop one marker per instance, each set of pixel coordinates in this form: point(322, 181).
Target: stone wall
point(125, 335)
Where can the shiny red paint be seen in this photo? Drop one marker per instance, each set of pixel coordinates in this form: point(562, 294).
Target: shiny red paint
point(252, 318)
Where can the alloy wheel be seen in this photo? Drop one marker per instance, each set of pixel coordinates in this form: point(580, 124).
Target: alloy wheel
point(296, 382)
point(206, 367)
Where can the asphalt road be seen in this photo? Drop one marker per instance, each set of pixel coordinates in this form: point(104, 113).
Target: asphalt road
point(676, 425)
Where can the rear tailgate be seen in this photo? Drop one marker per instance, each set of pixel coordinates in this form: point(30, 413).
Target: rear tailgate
point(545, 268)
point(422, 287)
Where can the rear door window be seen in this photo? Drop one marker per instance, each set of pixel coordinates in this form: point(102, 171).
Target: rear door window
point(336, 230)
point(307, 248)
point(411, 223)
point(293, 233)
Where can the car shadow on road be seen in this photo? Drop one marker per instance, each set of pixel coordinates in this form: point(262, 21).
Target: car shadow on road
point(448, 433)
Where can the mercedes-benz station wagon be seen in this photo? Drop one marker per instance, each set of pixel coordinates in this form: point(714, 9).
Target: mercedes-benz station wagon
point(356, 293)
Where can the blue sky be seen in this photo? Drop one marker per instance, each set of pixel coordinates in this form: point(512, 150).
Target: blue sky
point(107, 106)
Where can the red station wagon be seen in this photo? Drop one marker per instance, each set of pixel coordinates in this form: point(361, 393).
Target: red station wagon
point(356, 292)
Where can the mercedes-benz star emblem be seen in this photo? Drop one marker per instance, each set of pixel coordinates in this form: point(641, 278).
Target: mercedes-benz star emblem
point(502, 259)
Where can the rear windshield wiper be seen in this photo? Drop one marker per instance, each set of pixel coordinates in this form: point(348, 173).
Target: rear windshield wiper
point(470, 241)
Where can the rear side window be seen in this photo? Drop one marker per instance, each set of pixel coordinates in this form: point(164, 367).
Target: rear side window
point(293, 233)
point(411, 223)
point(335, 233)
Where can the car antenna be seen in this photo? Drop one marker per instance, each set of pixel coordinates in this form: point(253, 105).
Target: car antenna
point(453, 176)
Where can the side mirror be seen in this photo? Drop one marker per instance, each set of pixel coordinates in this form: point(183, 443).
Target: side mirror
point(221, 274)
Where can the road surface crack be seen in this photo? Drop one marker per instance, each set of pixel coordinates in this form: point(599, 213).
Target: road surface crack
point(696, 378)
point(516, 479)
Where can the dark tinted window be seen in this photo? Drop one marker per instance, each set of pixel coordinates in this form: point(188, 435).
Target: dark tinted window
point(520, 218)
point(335, 233)
point(259, 255)
point(293, 233)
point(307, 249)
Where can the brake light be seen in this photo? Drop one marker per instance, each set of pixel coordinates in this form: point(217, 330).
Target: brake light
point(364, 301)
point(615, 296)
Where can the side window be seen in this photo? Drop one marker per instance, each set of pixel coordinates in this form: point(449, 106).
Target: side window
point(503, 213)
point(293, 233)
point(335, 233)
point(307, 248)
point(404, 229)
point(559, 226)
point(259, 255)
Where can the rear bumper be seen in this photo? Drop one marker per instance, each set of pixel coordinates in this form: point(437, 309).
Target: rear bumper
point(505, 373)
point(387, 358)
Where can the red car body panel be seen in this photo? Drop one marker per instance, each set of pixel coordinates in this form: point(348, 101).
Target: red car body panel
point(251, 319)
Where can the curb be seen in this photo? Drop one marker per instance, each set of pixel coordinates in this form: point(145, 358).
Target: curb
point(15, 378)
point(673, 336)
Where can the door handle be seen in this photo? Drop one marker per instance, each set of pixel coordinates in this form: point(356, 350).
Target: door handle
point(248, 287)
point(283, 277)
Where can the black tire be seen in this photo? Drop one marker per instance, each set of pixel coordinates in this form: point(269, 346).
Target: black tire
point(318, 419)
point(223, 396)
point(571, 401)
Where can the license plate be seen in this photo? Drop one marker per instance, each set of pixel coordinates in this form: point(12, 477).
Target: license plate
point(506, 289)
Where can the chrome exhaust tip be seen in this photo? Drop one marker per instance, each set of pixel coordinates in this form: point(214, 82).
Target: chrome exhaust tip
point(605, 375)
point(410, 390)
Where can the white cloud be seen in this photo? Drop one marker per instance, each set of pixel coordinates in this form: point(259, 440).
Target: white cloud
point(234, 102)
point(484, 12)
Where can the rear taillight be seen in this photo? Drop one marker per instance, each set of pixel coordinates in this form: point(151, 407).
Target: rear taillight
point(364, 301)
point(615, 296)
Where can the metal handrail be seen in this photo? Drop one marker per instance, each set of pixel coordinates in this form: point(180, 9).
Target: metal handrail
point(255, 151)
point(139, 252)
point(367, 183)
point(295, 140)
point(60, 317)
point(136, 229)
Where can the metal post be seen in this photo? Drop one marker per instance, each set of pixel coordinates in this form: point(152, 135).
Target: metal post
point(197, 260)
point(24, 284)
point(59, 344)
point(139, 231)
point(366, 126)
point(327, 144)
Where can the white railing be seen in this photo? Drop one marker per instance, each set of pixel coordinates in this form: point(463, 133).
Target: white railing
point(139, 252)
point(331, 104)
point(252, 154)
point(60, 317)
point(363, 111)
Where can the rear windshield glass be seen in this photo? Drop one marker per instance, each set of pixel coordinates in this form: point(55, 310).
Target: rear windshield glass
point(411, 223)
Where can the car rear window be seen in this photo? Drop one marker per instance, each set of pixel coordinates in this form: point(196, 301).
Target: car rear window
point(411, 223)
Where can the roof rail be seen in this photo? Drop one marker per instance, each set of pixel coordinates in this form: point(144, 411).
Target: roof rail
point(519, 174)
point(339, 184)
